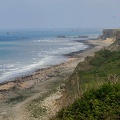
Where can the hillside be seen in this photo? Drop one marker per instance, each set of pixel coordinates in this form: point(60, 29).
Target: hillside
point(92, 86)
point(92, 101)
point(94, 71)
point(99, 68)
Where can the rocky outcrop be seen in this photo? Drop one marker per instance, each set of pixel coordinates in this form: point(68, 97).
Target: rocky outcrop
point(109, 33)
point(118, 35)
point(116, 45)
point(113, 34)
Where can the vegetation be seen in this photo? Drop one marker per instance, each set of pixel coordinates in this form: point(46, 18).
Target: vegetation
point(16, 99)
point(100, 104)
point(103, 67)
point(35, 106)
point(98, 88)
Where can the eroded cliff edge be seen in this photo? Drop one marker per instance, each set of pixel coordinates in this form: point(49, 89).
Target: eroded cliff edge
point(73, 84)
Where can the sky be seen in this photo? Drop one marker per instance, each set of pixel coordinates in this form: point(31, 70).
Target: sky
point(20, 14)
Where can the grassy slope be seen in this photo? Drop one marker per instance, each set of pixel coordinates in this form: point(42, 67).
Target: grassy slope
point(100, 104)
point(103, 68)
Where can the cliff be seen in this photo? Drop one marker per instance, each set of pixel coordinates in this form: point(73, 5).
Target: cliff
point(109, 33)
point(116, 45)
point(112, 34)
point(92, 73)
point(85, 74)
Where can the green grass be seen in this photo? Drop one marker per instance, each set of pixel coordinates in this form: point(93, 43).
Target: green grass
point(104, 64)
point(104, 67)
point(93, 101)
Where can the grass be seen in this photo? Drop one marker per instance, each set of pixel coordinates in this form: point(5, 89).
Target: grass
point(88, 77)
point(104, 65)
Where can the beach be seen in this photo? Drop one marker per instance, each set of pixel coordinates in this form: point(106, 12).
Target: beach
point(45, 86)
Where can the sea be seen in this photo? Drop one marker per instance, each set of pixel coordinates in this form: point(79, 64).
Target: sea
point(23, 51)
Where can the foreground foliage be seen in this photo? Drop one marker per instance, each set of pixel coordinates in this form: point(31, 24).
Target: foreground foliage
point(100, 104)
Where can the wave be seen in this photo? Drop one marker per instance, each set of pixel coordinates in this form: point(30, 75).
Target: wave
point(38, 48)
point(51, 57)
point(69, 47)
point(26, 70)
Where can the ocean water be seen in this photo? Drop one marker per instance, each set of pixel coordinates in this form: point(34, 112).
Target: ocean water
point(24, 51)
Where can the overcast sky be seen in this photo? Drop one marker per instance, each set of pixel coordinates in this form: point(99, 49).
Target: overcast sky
point(59, 14)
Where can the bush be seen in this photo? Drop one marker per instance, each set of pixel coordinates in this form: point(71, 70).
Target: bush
point(105, 53)
point(97, 61)
point(100, 104)
point(100, 57)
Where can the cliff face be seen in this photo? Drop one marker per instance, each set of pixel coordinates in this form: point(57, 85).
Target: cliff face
point(118, 36)
point(72, 85)
point(112, 33)
point(109, 33)
point(116, 45)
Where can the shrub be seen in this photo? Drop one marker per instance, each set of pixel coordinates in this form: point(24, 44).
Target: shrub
point(100, 104)
point(100, 57)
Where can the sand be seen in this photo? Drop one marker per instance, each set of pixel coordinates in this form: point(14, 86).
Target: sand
point(40, 83)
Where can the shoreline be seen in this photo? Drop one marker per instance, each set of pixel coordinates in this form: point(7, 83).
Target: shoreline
point(44, 73)
point(69, 56)
point(42, 82)
point(13, 77)
point(86, 42)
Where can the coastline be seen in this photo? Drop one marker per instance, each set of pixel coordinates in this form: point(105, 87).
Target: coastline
point(22, 73)
point(69, 57)
point(40, 82)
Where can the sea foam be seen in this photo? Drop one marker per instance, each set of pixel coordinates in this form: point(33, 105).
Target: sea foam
point(23, 52)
